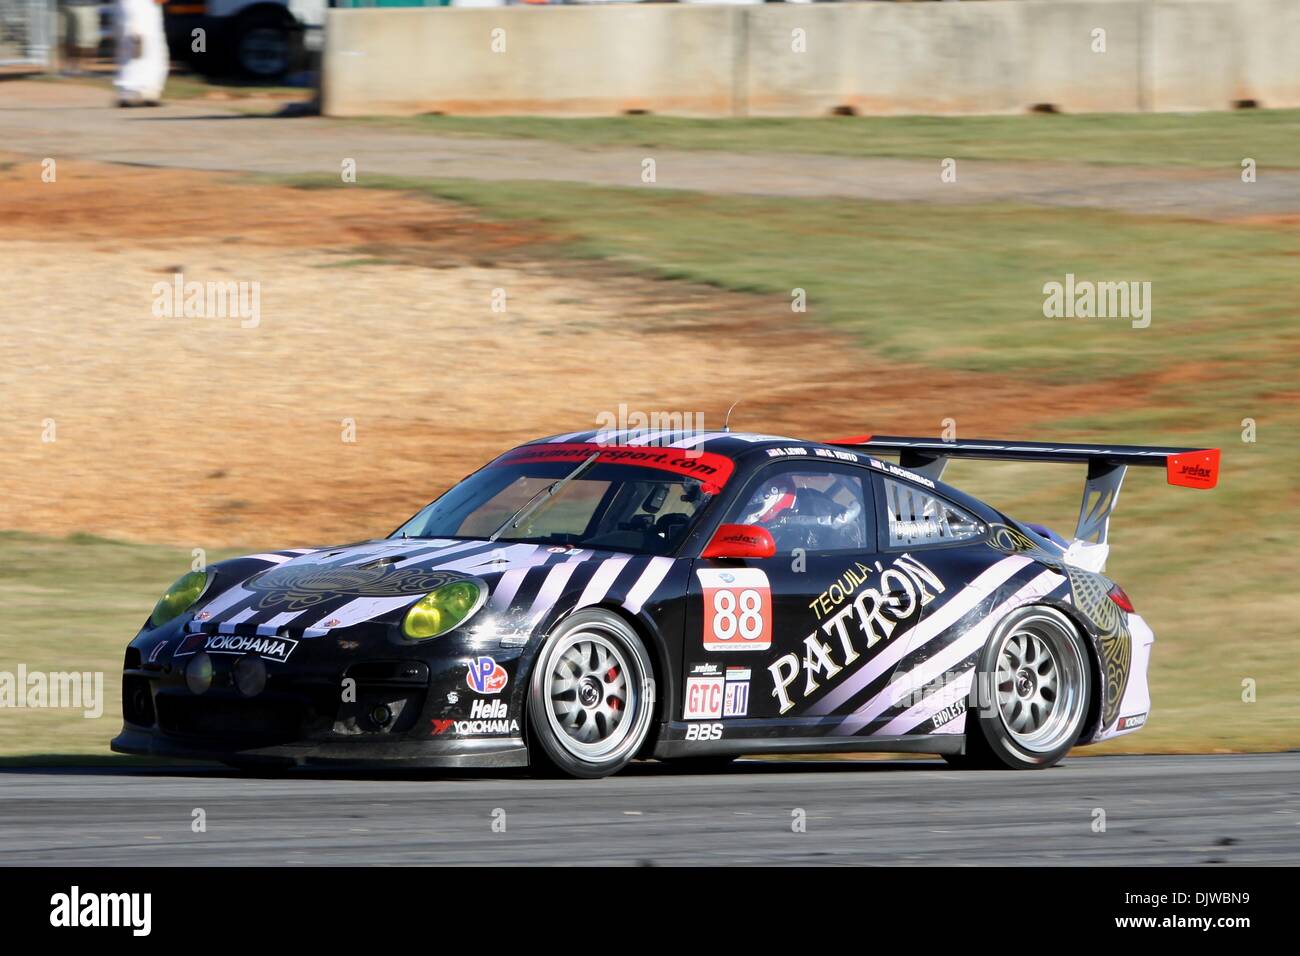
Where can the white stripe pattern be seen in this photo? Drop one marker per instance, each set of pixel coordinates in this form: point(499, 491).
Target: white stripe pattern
point(601, 581)
point(915, 680)
point(552, 588)
point(224, 602)
point(650, 579)
point(930, 627)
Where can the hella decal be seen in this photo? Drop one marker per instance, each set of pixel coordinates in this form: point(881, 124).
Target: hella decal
point(486, 718)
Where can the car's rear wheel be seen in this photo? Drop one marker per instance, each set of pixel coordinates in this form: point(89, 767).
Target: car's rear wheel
point(591, 697)
point(1031, 693)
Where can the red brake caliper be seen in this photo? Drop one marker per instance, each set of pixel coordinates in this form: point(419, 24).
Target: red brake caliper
point(614, 702)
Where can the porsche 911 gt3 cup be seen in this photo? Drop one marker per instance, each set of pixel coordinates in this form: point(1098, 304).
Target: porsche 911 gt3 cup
point(592, 598)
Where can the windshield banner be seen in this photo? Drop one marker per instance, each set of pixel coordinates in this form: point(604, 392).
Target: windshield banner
point(710, 468)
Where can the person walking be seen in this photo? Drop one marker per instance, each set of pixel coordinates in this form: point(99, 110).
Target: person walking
point(142, 57)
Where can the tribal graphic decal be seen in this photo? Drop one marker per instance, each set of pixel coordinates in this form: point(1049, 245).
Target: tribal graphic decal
point(1011, 540)
point(296, 588)
point(1091, 597)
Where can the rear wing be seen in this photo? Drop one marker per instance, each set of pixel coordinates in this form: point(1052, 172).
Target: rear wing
point(1107, 466)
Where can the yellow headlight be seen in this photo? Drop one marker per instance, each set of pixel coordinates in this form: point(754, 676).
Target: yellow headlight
point(442, 609)
point(179, 598)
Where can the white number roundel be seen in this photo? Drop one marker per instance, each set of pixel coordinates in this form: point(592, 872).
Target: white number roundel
point(737, 610)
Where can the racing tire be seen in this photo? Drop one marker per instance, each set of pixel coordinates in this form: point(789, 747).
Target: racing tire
point(590, 698)
point(1036, 671)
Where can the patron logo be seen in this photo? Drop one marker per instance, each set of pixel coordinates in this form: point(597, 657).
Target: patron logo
point(869, 615)
point(74, 909)
point(486, 676)
point(270, 648)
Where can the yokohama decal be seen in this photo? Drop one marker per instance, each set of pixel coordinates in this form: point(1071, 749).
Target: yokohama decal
point(737, 609)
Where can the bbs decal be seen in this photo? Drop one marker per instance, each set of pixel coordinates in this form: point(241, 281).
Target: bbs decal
point(737, 609)
point(704, 731)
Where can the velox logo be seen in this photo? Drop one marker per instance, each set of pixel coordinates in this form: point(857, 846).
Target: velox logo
point(272, 648)
point(74, 909)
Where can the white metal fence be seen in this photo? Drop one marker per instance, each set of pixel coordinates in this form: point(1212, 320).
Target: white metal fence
point(26, 32)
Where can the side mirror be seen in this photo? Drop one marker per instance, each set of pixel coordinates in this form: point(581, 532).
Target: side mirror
point(740, 541)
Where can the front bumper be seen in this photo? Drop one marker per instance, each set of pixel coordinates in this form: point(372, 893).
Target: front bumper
point(343, 699)
point(485, 753)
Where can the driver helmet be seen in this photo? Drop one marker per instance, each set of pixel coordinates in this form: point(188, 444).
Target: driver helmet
point(775, 501)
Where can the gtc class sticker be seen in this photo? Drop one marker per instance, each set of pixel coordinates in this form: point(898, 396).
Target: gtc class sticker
point(737, 609)
point(703, 698)
point(710, 695)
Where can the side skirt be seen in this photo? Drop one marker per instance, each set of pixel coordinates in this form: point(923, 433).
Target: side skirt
point(911, 744)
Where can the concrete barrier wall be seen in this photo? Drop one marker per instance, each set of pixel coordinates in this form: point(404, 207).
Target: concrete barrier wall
point(999, 56)
point(1268, 68)
point(529, 60)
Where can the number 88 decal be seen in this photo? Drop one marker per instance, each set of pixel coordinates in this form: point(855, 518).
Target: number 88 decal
point(737, 609)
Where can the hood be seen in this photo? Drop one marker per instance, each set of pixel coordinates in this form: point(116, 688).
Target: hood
point(315, 592)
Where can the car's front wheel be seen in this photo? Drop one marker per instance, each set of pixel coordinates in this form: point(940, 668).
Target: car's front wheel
point(1031, 694)
point(591, 697)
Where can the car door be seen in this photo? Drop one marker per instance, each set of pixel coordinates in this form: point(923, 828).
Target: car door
point(770, 639)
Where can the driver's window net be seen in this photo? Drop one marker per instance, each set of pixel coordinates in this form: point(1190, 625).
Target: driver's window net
point(917, 517)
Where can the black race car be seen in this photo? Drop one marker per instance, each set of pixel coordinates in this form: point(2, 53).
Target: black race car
point(594, 597)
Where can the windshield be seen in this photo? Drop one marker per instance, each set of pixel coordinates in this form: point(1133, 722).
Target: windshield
point(641, 501)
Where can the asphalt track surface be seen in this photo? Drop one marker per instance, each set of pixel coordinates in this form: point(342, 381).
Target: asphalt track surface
point(1176, 810)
